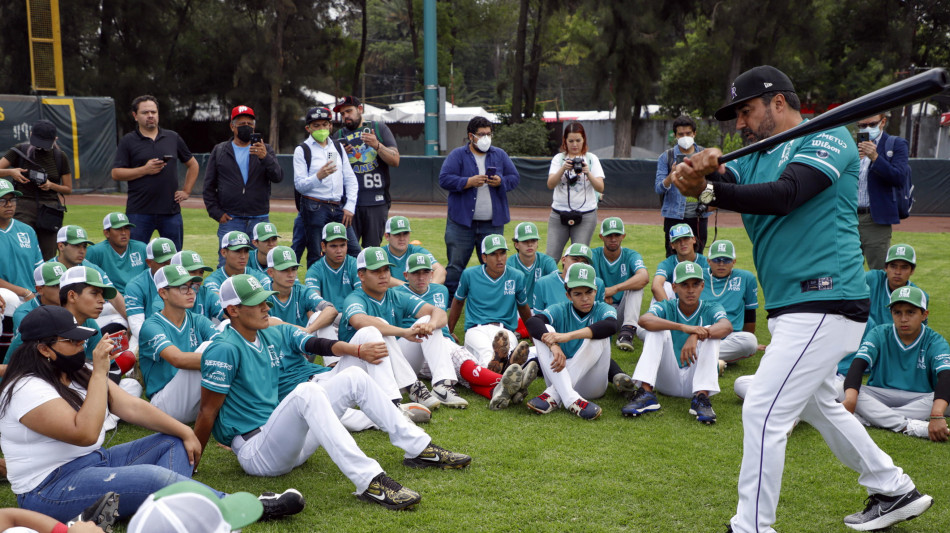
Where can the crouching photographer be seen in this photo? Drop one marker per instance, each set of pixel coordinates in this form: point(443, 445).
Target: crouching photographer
point(577, 179)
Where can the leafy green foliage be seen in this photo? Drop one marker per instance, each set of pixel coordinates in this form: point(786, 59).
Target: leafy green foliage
point(529, 138)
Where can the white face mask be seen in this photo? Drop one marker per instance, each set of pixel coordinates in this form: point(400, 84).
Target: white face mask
point(483, 143)
point(685, 142)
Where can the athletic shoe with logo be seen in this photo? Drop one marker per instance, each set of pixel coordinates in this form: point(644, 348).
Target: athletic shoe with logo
point(520, 354)
point(625, 338)
point(385, 491)
point(542, 404)
point(701, 408)
point(438, 457)
point(445, 393)
point(643, 401)
point(509, 384)
point(279, 505)
point(883, 511)
point(420, 394)
point(416, 412)
point(584, 409)
point(531, 371)
point(501, 350)
point(103, 512)
point(917, 428)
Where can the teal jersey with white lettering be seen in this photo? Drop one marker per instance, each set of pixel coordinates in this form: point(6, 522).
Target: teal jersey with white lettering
point(550, 290)
point(141, 296)
point(299, 304)
point(564, 318)
point(399, 271)
point(91, 342)
point(334, 285)
point(216, 278)
point(208, 304)
point(845, 363)
point(543, 265)
point(618, 271)
point(666, 266)
point(158, 333)
point(295, 367)
point(120, 268)
point(436, 295)
point(24, 309)
point(491, 300)
point(255, 265)
point(706, 314)
point(394, 308)
point(736, 293)
point(912, 367)
point(881, 296)
point(21, 254)
point(823, 231)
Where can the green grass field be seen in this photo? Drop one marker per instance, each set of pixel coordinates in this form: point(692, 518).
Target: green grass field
point(663, 472)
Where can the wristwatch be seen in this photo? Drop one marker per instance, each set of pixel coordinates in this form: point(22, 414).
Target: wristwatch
point(708, 195)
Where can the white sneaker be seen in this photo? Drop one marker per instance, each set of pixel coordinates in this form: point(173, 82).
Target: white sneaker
point(722, 367)
point(416, 412)
point(445, 393)
point(917, 428)
point(420, 394)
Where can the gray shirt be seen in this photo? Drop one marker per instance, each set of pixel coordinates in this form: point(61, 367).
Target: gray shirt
point(483, 207)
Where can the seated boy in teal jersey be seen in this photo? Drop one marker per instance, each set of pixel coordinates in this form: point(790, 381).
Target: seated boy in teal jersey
point(684, 244)
point(207, 302)
point(121, 257)
point(142, 300)
point(737, 291)
point(624, 275)
point(529, 261)
point(264, 238)
point(47, 277)
point(334, 275)
point(398, 234)
point(294, 302)
point(236, 251)
point(549, 290)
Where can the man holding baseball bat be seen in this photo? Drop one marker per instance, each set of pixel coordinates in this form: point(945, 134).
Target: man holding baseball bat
point(799, 195)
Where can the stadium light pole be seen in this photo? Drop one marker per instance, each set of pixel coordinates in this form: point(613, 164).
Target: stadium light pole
point(431, 77)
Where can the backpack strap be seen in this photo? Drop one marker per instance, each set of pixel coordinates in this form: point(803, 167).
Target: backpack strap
point(669, 161)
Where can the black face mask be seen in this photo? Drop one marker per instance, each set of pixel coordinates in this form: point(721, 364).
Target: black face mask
point(69, 364)
point(244, 133)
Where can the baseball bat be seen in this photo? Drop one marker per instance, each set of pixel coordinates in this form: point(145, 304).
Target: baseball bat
point(904, 92)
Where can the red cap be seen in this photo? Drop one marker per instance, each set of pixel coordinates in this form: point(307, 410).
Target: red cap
point(241, 110)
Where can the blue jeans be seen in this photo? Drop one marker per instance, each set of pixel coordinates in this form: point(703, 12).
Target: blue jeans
point(459, 244)
point(308, 229)
point(132, 470)
point(245, 224)
point(168, 226)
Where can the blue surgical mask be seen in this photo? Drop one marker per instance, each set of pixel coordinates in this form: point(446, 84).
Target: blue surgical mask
point(873, 133)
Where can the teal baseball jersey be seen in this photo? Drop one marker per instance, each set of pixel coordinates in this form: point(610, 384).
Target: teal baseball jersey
point(24, 309)
point(564, 318)
point(833, 268)
point(216, 278)
point(706, 314)
point(543, 265)
point(881, 296)
point(255, 265)
point(845, 363)
point(121, 268)
point(295, 366)
point(21, 254)
point(550, 290)
point(394, 308)
point(157, 334)
point(141, 296)
point(91, 342)
point(436, 295)
point(399, 271)
point(334, 285)
point(208, 304)
point(736, 293)
point(619, 270)
point(491, 300)
point(912, 367)
point(299, 304)
point(666, 266)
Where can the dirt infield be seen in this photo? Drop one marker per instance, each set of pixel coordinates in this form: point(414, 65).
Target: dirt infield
point(535, 214)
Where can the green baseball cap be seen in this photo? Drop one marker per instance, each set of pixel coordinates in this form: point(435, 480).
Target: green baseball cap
point(282, 258)
point(579, 250)
point(173, 276)
point(526, 231)
point(116, 220)
point(89, 276)
point(687, 270)
point(494, 242)
point(263, 231)
point(160, 250)
point(72, 235)
point(190, 260)
point(912, 295)
point(612, 225)
point(189, 505)
point(235, 240)
point(244, 289)
point(903, 252)
point(373, 258)
point(334, 231)
point(580, 275)
point(6, 188)
point(722, 248)
point(418, 262)
point(679, 231)
point(396, 225)
point(48, 274)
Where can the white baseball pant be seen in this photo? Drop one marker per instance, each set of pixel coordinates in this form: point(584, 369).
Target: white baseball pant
point(327, 332)
point(478, 341)
point(628, 310)
point(391, 373)
point(737, 345)
point(584, 375)
point(890, 408)
point(435, 352)
point(180, 398)
point(659, 366)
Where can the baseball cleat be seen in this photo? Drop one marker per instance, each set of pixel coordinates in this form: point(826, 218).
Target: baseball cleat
point(416, 412)
point(520, 354)
point(643, 401)
point(501, 349)
point(445, 393)
point(625, 338)
point(542, 404)
point(584, 409)
point(438, 457)
point(385, 491)
point(103, 512)
point(883, 511)
point(701, 408)
point(420, 394)
point(279, 505)
point(509, 384)
point(917, 428)
point(531, 371)
point(624, 385)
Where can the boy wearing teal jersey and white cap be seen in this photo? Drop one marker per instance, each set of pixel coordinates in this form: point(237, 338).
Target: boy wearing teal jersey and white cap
point(909, 386)
point(684, 244)
point(18, 244)
point(529, 261)
point(207, 302)
point(334, 276)
point(235, 250)
point(736, 290)
point(398, 234)
point(142, 298)
point(899, 266)
point(47, 277)
point(624, 275)
point(549, 290)
point(681, 348)
point(294, 302)
point(264, 238)
point(72, 242)
point(121, 257)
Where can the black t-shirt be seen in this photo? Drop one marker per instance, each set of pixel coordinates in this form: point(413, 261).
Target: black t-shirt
point(372, 172)
point(47, 161)
point(153, 194)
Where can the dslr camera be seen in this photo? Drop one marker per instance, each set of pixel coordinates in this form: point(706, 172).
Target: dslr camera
point(578, 163)
point(37, 177)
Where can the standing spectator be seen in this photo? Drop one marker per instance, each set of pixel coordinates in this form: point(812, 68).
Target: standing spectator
point(237, 186)
point(576, 178)
point(145, 158)
point(40, 172)
point(372, 150)
point(884, 165)
point(678, 209)
point(478, 178)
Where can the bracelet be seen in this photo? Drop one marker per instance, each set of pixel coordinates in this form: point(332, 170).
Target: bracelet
point(937, 417)
point(358, 346)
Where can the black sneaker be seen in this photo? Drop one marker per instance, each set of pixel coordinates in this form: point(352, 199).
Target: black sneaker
point(387, 492)
point(883, 511)
point(625, 338)
point(280, 505)
point(438, 457)
point(104, 512)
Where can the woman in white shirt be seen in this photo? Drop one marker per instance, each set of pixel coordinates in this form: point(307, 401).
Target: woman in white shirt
point(574, 208)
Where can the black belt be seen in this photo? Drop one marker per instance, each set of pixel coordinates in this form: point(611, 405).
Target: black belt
point(499, 324)
point(319, 201)
point(864, 210)
point(247, 436)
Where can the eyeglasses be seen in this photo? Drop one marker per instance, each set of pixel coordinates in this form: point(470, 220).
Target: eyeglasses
point(188, 287)
point(480, 135)
point(721, 260)
point(6, 202)
point(74, 343)
point(868, 124)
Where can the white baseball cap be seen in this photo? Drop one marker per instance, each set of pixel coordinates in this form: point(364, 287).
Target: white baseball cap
point(190, 507)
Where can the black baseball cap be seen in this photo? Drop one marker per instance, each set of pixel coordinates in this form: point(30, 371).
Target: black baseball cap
point(347, 101)
point(52, 321)
point(43, 134)
point(317, 113)
point(752, 83)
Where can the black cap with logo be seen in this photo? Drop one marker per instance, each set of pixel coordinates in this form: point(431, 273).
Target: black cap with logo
point(43, 134)
point(52, 321)
point(752, 83)
point(318, 113)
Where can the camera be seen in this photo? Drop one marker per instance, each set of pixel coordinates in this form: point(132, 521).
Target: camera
point(38, 178)
point(578, 165)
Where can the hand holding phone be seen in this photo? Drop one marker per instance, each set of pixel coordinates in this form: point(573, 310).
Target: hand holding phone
point(863, 137)
point(490, 171)
point(256, 138)
point(167, 158)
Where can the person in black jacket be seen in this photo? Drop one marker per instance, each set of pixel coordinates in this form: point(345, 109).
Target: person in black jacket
point(238, 177)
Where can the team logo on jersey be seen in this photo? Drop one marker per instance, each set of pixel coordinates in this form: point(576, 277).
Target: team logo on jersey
point(509, 286)
point(193, 337)
point(346, 279)
point(786, 153)
point(217, 375)
point(822, 154)
point(156, 340)
point(623, 270)
point(735, 284)
point(218, 364)
point(274, 356)
point(24, 240)
point(439, 300)
point(135, 259)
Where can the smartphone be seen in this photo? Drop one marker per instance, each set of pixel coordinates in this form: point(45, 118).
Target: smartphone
point(167, 158)
point(256, 138)
point(864, 136)
point(680, 158)
point(490, 171)
point(331, 157)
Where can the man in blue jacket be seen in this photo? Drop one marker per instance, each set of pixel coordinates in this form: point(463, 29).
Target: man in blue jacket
point(478, 178)
point(884, 166)
point(676, 208)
